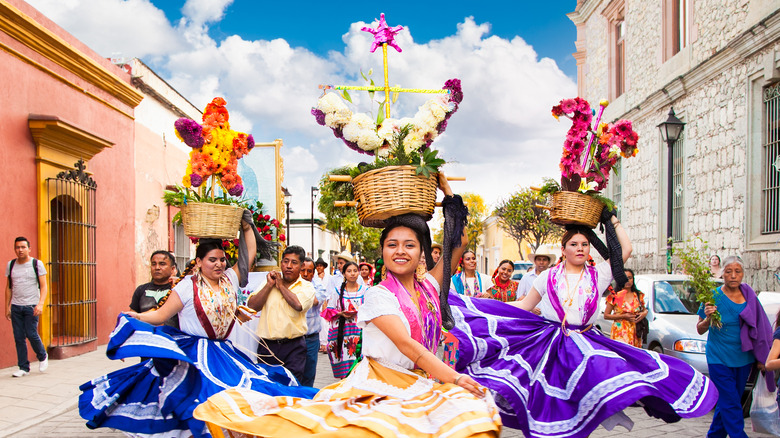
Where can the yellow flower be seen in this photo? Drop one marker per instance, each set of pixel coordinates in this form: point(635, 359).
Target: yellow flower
point(586, 186)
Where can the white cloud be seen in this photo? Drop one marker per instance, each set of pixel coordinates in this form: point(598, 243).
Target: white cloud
point(502, 137)
point(115, 28)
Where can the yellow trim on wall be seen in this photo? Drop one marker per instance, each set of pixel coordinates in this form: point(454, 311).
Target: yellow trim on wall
point(32, 34)
point(58, 146)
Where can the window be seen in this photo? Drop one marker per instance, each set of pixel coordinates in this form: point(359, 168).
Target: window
point(615, 13)
point(620, 52)
point(770, 187)
point(678, 188)
point(616, 188)
point(181, 247)
point(678, 23)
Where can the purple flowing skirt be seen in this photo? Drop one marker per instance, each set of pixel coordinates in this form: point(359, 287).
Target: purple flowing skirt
point(550, 384)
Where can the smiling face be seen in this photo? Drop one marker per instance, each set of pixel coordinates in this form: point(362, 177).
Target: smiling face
point(435, 254)
point(213, 265)
point(576, 250)
point(351, 274)
point(732, 275)
point(469, 262)
point(505, 272)
point(401, 251)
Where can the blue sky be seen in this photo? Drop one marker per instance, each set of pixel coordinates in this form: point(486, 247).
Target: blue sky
point(268, 58)
point(543, 25)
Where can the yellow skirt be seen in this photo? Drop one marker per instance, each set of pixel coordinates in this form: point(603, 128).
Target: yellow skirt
point(375, 400)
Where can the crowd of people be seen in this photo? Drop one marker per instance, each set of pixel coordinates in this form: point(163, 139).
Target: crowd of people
point(524, 354)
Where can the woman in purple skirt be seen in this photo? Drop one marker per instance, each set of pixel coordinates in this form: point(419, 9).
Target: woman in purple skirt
point(555, 376)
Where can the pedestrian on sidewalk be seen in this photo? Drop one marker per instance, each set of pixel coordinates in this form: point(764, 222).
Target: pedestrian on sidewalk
point(148, 296)
point(25, 294)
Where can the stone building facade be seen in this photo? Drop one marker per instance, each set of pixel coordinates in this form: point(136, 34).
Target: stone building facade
point(717, 63)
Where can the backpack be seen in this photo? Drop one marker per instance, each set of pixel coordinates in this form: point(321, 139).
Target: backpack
point(35, 269)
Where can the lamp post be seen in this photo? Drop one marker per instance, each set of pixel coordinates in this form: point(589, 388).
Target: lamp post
point(314, 191)
point(287, 198)
point(670, 133)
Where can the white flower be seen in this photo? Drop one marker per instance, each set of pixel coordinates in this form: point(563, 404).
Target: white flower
point(614, 151)
point(330, 103)
point(369, 141)
point(338, 119)
point(387, 130)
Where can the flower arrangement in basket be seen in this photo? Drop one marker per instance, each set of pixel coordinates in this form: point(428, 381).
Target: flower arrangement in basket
point(590, 152)
point(269, 228)
point(213, 163)
point(404, 163)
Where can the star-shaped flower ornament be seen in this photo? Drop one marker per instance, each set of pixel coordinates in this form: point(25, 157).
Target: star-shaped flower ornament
point(383, 34)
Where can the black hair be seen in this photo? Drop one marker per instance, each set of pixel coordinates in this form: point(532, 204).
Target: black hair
point(307, 259)
point(507, 261)
point(166, 254)
point(205, 246)
point(342, 320)
point(420, 228)
point(633, 281)
point(21, 239)
point(297, 250)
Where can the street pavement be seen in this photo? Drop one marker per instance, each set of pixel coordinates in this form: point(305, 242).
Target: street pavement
point(46, 405)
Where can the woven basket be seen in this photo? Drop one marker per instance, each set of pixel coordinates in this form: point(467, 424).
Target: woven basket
point(390, 191)
point(214, 221)
point(575, 208)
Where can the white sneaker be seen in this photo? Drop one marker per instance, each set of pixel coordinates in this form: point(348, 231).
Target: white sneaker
point(43, 365)
point(20, 373)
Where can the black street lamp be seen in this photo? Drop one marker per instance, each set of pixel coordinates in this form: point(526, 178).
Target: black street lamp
point(670, 133)
point(287, 198)
point(314, 191)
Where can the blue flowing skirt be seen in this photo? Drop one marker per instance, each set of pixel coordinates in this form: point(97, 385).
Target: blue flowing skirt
point(158, 396)
point(551, 383)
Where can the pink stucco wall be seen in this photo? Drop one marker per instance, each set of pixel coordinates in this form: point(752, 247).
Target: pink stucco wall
point(26, 90)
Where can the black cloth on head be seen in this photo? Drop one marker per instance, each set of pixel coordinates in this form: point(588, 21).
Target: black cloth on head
point(265, 248)
point(612, 251)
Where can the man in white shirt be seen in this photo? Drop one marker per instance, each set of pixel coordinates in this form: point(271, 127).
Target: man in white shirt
point(25, 295)
point(541, 263)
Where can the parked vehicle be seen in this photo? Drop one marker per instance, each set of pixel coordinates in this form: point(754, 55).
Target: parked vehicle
point(672, 316)
point(520, 269)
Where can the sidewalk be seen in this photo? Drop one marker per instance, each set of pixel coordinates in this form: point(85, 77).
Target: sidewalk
point(37, 397)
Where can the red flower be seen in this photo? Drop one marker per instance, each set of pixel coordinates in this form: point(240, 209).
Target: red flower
point(274, 222)
point(266, 228)
point(267, 237)
point(282, 237)
point(267, 217)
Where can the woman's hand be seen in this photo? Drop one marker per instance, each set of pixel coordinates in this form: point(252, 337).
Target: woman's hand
point(485, 295)
point(761, 366)
point(347, 314)
point(640, 316)
point(444, 185)
point(470, 385)
point(131, 314)
point(709, 309)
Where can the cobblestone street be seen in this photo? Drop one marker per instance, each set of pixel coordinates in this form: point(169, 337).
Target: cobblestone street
point(61, 419)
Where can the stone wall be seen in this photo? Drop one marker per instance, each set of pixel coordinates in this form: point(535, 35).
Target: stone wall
point(711, 98)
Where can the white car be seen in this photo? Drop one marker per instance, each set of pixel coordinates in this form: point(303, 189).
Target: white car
point(672, 316)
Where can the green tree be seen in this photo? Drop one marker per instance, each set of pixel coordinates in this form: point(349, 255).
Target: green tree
point(344, 220)
point(477, 213)
point(524, 221)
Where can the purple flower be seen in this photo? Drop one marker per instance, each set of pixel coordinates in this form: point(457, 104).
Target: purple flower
point(337, 132)
point(250, 142)
point(442, 126)
point(319, 115)
point(196, 180)
point(236, 190)
point(190, 131)
point(456, 92)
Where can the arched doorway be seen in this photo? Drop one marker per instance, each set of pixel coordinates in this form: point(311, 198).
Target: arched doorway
point(73, 302)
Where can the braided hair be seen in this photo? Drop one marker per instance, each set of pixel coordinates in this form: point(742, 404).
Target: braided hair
point(185, 272)
point(342, 319)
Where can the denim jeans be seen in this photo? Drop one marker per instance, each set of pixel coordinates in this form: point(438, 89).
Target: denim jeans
point(312, 350)
point(25, 326)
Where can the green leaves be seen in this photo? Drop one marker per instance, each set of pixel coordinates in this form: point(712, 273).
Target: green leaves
point(346, 96)
point(522, 220)
point(694, 260)
point(380, 117)
point(427, 162)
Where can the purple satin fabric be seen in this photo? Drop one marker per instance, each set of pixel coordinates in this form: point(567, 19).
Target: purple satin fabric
point(549, 384)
